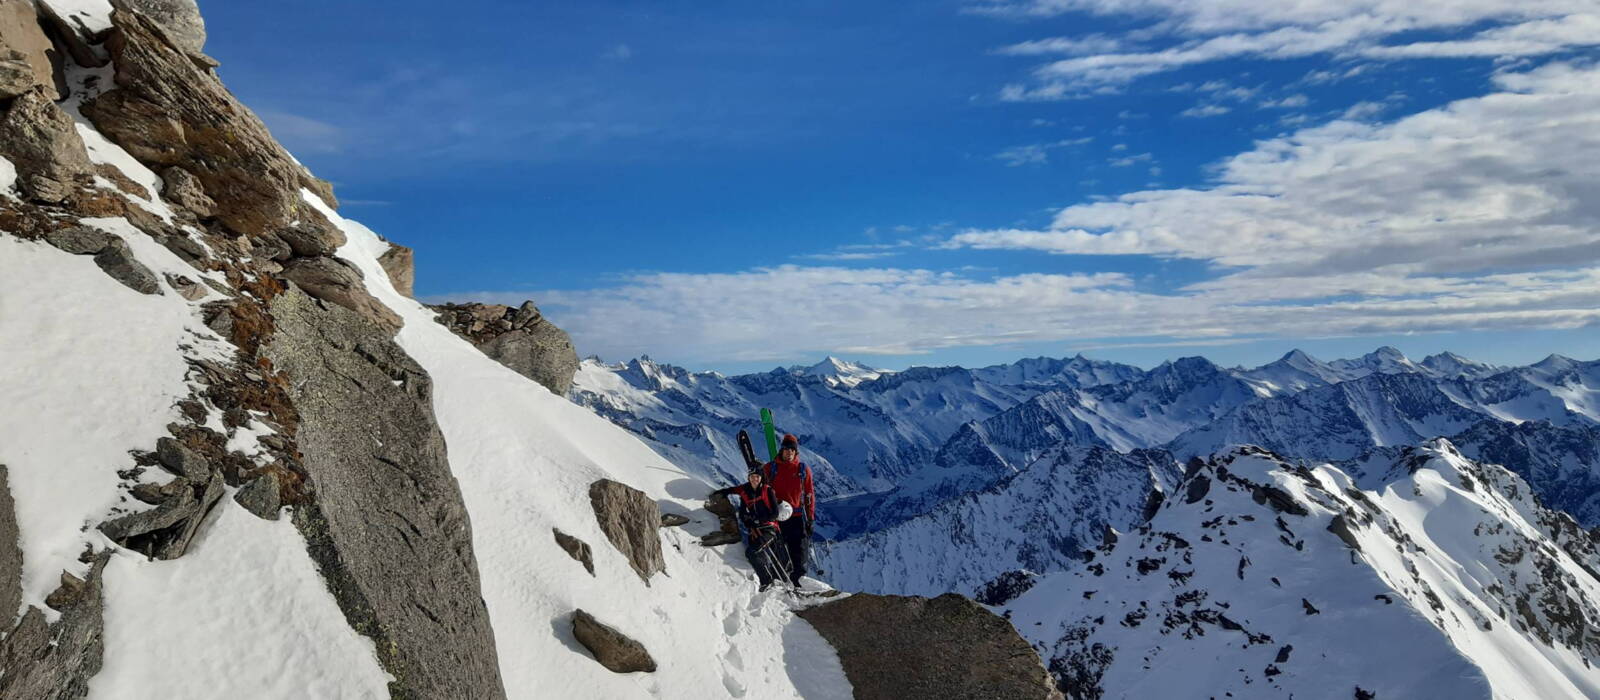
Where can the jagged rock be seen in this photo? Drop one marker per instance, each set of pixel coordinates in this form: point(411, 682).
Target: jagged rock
point(386, 524)
point(673, 520)
point(335, 281)
point(187, 288)
point(164, 532)
point(79, 40)
point(1005, 587)
point(630, 521)
point(156, 494)
point(1340, 526)
point(117, 260)
point(40, 660)
point(183, 246)
point(168, 111)
point(79, 240)
point(42, 142)
point(575, 548)
point(895, 647)
point(728, 533)
point(517, 338)
point(614, 650)
point(179, 20)
point(322, 188)
point(271, 247)
point(67, 594)
point(182, 188)
point(10, 553)
point(311, 239)
point(399, 263)
point(27, 57)
point(180, 460)
point(261, 496)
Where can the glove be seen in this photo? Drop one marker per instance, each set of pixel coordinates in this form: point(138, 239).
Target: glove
point(809, 521)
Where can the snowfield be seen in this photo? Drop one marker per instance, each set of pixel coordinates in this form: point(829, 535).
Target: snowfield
point(524, 458)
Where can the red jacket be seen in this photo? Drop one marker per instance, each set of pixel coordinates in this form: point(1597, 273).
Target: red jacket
point(792, 482)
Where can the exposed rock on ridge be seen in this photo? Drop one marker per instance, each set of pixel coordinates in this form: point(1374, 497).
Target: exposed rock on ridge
point(518, 338)
point(388, 529)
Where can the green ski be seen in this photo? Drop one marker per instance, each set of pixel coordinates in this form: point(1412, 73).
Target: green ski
point(772, 435)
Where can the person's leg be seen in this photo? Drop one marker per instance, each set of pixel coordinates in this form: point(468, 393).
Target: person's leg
point(794, 539)
point(759, 562)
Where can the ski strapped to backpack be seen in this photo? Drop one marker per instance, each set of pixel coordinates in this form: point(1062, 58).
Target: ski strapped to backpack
point(772, 434)
point(748, 452)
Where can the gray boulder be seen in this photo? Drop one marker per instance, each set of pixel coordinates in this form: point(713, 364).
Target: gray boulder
point(179, 19)
point(631, 522)
point(575, 548)
point(337, 282)
point(179, 459)
point(895, 647)
point(310, 239)
point(166, 531)
point(43, 143)
point(614, 650)
point(41, 660)
point(79, 240)
point(117, 260)
point(385, 521)
point(261, 496)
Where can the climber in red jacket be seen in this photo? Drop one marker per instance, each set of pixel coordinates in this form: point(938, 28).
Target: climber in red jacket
point(791, 481)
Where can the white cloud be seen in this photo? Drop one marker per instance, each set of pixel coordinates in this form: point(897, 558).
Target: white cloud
point(1126, 161)
point(304, 134)
point(1203, 32)
point(1205, 110)
point(1090, 44)
point(1289, 102)
point(1036, 153)
point(618, 52)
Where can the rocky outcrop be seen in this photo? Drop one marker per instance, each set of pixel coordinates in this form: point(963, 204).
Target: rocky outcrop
point(42, 142)
point(631, 522)
point(10, 553)
point(262, 496)
point(400, 264)
point(179, 20)
point(117, 260)
point(1005, 587)
point(614, 650)
point(387, 525)
point(166, 110)
point(575, 548)
point(27, 56)
point(519, 338)
point(896, 647)
point(165, 532)
point(41, 660)
point(727, 524)
point(334, 280)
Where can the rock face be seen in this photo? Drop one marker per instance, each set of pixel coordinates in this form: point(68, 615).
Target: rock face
point(168, 111)
point(41, 660)
point(10, 553)
point(117, 260)
point(631, 522)
point(40, 139)
point(613, 649)
point(399, 262)
point(179, 19)
point(27, 57)
point(388, 527)
point(518, 338)
point(336, 281)
point(896, 647)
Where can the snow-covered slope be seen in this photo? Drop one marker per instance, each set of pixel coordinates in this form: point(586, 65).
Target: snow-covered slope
point(1427, 575)
point(525, 458)
point(1041, 519)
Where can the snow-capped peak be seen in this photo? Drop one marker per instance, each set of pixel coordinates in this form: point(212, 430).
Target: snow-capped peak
point(1449, 365)
point(842, 372)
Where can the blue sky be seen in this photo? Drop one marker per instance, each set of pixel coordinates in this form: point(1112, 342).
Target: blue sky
point(735, 185)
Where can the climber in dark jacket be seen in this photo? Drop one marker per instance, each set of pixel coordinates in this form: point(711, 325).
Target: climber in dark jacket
point(760, 513)
point(791, 481)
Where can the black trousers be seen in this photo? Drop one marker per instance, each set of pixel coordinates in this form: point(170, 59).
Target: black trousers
point(794, 539)
point(768, 555)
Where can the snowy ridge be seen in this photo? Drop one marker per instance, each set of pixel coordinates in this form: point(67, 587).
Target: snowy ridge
point(1039, 520)
point(525, 458)
point(1429, 576)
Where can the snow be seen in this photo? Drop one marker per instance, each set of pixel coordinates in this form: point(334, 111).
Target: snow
point(92, 15)
point(103, 151)
point(103, 374)
point(8, 178)
point(244, 614)
point(524, 459)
